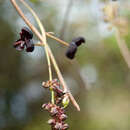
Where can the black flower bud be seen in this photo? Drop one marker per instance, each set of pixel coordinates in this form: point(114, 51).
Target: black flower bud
point(71, 51)
point(78, 41)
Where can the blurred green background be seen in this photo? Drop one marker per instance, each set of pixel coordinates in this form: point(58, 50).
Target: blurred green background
point(98, 78)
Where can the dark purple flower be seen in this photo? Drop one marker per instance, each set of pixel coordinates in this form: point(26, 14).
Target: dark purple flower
point(25, 40)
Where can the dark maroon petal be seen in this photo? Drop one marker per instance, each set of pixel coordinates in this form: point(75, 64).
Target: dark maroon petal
point(71, 51)
point(19, 45)
point(26, 33)
point(29, 46)
point(78, 41)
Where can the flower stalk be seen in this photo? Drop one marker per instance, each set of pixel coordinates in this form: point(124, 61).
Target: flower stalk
point(49, 52)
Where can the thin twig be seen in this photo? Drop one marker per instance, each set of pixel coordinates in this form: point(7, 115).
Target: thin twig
point(49, 50)
point(47, 33)
point(57, 39)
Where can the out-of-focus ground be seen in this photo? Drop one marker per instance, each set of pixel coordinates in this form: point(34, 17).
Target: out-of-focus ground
point(99, 78)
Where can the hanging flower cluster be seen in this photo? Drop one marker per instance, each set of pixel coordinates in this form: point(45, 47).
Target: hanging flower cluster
point(59, 97)
point(57, 111)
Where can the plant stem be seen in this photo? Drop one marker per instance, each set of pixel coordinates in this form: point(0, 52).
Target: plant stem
point(41, 26)
point(49, 50)
point(57, 39)
point(52, 97)
point(51, 55)
point(45, 42)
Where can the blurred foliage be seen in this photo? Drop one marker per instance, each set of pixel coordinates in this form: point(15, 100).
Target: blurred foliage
point(98, 78)
point(34, 1)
